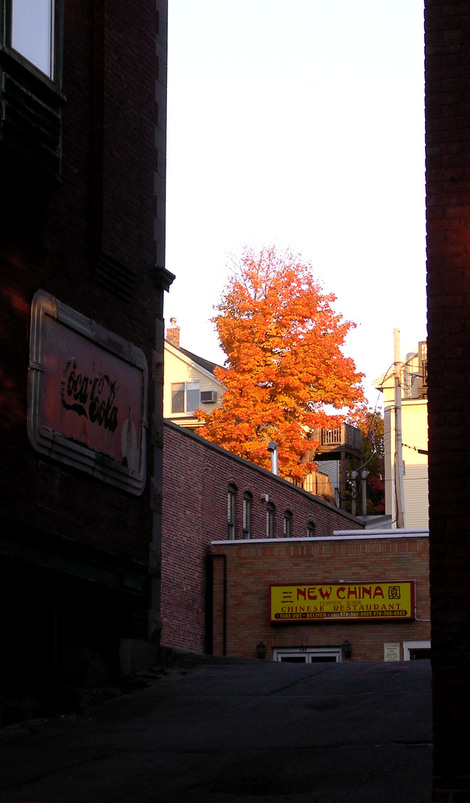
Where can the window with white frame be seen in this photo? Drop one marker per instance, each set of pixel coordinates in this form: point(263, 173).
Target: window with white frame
point(185, 397)
point(311, 529)
point(247, 504)
point(307, 655)
point(414, 650)
point(231, 511)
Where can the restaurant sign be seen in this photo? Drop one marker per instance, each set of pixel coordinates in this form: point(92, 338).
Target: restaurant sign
point(327, 602)
point(87, 395)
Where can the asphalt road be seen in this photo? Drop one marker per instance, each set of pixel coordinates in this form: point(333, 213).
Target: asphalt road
point(234, 731)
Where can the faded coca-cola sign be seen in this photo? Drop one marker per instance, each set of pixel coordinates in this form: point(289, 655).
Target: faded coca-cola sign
point(87, 395)
point(91, 396)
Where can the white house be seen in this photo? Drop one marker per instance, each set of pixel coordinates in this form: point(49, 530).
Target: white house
point(406, 461)
point(189, 382)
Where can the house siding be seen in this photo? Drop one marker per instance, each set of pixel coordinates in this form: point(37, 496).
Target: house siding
point(414, 419)
point(179, 369)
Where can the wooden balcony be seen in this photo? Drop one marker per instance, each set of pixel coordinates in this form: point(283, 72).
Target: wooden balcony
point(345, 439)
point(342, 444)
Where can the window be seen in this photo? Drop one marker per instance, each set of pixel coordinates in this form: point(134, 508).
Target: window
point(32, 31)
point(185, 397)
point(415, 650)
point(307, 655)
point(287, 524)
point(247, 500)
point(231, 511)
point(30, 90)
point(270, 520)
point(311, 529)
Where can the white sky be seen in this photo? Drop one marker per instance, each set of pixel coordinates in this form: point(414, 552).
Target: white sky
point(299, 123)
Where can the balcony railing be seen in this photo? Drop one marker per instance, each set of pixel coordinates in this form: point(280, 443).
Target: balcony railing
point(344, 436)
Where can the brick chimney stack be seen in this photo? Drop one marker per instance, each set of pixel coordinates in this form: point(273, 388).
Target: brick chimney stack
point(173, 333)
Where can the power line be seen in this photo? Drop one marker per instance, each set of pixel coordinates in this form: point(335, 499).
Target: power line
point(415, 448)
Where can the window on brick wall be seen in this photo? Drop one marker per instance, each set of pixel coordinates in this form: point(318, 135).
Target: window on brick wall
point(270, 509)
point(32, 28)
point(287, 524)
point(311, 528)
point(30, 86)
point(185, 397)
point(232, 511)
point(247, 506)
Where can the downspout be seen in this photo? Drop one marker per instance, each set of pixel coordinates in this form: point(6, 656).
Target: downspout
point(223, 557)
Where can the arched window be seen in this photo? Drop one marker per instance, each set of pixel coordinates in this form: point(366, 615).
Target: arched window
point(231, 510)
point(287, 524)
point(247, 502)
point(270, 520)
point(311, 528)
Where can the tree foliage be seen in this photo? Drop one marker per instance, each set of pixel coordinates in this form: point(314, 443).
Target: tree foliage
point(371, 424)
point(373, 456)
point(285, 365)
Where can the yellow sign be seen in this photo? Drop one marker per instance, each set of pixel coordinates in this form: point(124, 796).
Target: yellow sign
point(353, 601)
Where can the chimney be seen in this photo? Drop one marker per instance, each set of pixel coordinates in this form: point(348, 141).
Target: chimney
point(173, 333)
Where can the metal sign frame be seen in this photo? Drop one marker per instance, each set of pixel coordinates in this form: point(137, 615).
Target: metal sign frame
point(87, 395)
point(378, 601)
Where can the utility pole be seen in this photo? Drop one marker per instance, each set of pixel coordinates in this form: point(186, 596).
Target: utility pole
point(398, 467)
point(353, 476)
point(364, 475)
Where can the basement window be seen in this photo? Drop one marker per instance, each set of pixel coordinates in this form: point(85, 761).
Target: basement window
point(307, 655)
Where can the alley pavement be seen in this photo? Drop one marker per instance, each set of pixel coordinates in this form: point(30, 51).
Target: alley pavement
point(224, 731)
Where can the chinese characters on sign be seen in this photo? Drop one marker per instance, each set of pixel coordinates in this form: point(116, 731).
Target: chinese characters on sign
point(330, 602)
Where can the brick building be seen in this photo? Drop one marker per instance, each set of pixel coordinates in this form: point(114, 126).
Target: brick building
point(331, 598)
point(447, 71)
point(209, 495)
point(82, 159)
point(232, 530)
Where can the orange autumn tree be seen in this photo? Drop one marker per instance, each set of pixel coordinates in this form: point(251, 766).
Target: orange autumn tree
point(284, 365)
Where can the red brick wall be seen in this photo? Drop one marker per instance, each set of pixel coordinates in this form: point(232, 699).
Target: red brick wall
point(93, 241)
point(447, 63)
point(105, 205)
point(241, 611)
point(196, 477)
